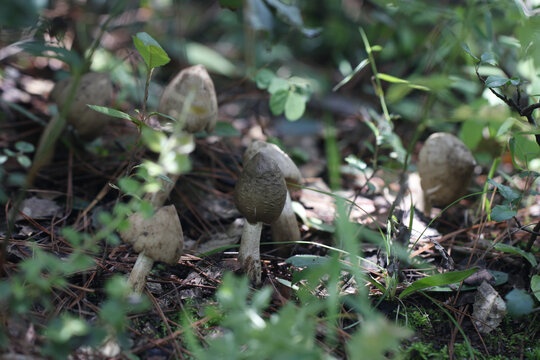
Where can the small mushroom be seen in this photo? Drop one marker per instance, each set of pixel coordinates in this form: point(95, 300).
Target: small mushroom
point(445, 166)
point(158, 238)
point(259, 195)
point(202, 112)
point(94, 89)
point(285, 228)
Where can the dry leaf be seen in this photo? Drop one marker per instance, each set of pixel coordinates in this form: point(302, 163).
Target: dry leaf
point(489, 308)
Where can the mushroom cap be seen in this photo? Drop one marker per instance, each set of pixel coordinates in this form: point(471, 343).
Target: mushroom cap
point(160, 237)
point(202, 113)
point(260, 191)
point(445, 166)
point(94, 89)
point(286, 165)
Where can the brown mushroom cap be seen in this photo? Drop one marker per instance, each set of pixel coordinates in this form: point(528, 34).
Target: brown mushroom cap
point(445, 166)
point(202, 113)
point(160, 237)
point(260, 191)
point(94, 89)
point(286, 165)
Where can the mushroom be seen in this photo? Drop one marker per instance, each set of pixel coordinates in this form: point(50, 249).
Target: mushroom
point(445, 166)
point(259, 195)
point(95, 89)
point(158, 238)
point(202, 112)
point(285, 228)
point(194, 86)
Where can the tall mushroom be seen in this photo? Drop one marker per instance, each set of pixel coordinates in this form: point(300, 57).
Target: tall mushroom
point(191, 98)
point(285, 228)
point(445, 165)
point(259, 195)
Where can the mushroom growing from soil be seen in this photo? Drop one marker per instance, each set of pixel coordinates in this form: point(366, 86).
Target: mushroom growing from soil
point(202, 112)
point(158, 238)
point(445, 166)
point(285, 228)
point(259, 195)
point(95, 89)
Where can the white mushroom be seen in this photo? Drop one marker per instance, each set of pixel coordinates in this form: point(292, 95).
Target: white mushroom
point(445, 166)
point(158, 238)
point(259, 195)
point(285, 228)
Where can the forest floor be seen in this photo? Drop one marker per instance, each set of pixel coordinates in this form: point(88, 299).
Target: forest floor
point(76, 185)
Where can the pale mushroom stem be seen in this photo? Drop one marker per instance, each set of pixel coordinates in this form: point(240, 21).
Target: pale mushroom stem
point(142, 267)
point(285, 228)
point(249, 256)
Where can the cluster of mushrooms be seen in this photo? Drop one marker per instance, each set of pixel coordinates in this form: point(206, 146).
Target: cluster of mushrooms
point(262, 191)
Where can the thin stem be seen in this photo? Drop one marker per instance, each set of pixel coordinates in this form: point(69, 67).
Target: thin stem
point(379, 89)
point(146, 88)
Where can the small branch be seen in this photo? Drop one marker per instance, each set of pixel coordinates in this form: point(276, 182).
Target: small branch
point(525, 112)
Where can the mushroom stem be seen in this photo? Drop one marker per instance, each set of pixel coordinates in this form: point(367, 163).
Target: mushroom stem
point(249, 256)
point(142, 267)
point(285, 228)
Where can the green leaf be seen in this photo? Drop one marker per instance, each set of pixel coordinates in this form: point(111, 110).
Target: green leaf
point(24, 160)
point(465, 47)
point(225, 129)
point(153, 139)
point(3, 159)
point(437, 280)
point(263, 78)
point(502, 213)
point(150, 50)
point(535, 286)
point(518, 303)
point(291, 14)
point(499, 278)
point(307, 260)
point(24, 146)
point(515, 81)
point(506, 191)
point(277, 101)
point(391, 79)
point(197, 53)
point(516, 251)
point(495, 81)
point(487, 58)
point(295, 106)
point(114, 113)
point(471, 133)
point(278, 84)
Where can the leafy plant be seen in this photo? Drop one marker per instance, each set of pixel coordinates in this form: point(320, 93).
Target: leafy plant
point(288, 96)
